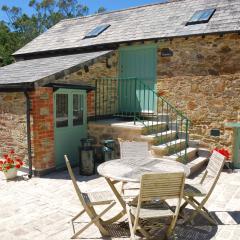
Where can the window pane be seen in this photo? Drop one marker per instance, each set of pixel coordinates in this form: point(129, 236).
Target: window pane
point(97, 30)
point(206, 15)
point(61, 110)
point(77, 109)
point(202, 16)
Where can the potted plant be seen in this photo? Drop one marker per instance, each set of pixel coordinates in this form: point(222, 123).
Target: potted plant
point(10, 164)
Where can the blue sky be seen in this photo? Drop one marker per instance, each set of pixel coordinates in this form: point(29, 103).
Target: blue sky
point(92, 4)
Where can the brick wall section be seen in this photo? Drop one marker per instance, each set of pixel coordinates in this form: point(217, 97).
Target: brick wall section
point(91, 103)
point(13, 127)
point(42, 128)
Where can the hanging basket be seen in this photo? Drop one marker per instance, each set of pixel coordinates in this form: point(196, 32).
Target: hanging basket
point(11, 173)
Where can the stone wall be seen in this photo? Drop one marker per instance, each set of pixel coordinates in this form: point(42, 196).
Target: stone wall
point(42, 128)
point(202, 79)
point(13, 127)
point(104, 68)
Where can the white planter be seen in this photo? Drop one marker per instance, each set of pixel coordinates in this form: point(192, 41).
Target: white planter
point(11, 173)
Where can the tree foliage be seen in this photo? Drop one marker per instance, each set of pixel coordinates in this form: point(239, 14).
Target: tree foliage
point(22, 28)
point(9, 42)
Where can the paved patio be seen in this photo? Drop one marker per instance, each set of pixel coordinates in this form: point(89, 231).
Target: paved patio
point(41, 208)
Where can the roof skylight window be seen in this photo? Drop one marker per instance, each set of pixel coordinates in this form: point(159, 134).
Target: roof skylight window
point(201, 16)
point(97, 31)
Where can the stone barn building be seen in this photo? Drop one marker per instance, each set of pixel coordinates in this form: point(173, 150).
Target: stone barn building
point(164, 73)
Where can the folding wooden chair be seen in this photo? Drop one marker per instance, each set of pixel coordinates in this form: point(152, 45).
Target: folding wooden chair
point(88, 201)
point(131, 150)
point(211, 176)
point(155, 188)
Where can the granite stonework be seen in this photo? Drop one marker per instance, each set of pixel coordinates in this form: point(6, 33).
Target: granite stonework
point(13, 127)
point(106, 67)
point(202, 79)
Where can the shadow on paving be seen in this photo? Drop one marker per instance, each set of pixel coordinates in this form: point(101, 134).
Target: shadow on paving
point(63, 175)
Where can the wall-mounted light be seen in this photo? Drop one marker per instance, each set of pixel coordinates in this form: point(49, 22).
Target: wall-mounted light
point(166, 52)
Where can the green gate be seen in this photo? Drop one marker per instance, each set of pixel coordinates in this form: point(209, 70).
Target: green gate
point(70, 124)
point(140, 63)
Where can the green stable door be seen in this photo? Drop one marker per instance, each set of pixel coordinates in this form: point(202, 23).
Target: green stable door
point(137, 73)
point(70, 124)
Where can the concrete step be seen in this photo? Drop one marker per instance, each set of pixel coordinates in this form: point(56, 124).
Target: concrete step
point(163, 117)
point(159, 138)
point(169, 147)
point(179, 156)
point(204, 152)
point(142, 127)
point(196, 164)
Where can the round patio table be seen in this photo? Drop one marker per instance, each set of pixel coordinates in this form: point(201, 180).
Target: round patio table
point(131, 170)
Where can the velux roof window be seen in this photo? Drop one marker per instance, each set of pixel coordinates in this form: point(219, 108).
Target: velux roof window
point(201, 16)
point(97, 31)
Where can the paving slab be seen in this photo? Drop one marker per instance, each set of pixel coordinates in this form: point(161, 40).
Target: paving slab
point(41, 208)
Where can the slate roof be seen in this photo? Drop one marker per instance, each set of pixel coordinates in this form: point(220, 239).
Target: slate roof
point(30, 71)
point(140, 23)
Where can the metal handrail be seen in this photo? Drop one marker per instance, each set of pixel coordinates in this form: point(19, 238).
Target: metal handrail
point(127, 97)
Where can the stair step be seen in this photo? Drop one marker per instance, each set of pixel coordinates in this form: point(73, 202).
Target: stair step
point(196, 164)
point(160, 138)
point(204, 152)
point(163, 117)
point(169, 147)
point(191, 154)
point(143, 127)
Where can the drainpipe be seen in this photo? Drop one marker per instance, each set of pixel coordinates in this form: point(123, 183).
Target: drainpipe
point(28, 104)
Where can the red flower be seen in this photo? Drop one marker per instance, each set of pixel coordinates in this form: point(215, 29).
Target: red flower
point(5, 156)
point(7, 167)
point(1, 162)
point(20, 161)
point(0, 169)
point(18, 166)
point(9, 160)
point(12, 151)
point(224, 152)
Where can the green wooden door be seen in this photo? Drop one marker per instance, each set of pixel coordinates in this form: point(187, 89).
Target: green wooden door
point(236, 149)
point(141, 63)
point(70, 124)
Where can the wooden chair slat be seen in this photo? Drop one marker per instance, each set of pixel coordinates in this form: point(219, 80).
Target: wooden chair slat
point(153, 187)
point(210, 177)
point(88, 200)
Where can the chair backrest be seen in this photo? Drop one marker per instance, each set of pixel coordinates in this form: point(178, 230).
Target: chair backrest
point(133, 149)
point(76, 187)
point(160, 186)
point(215, 164)
point(213, 171)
